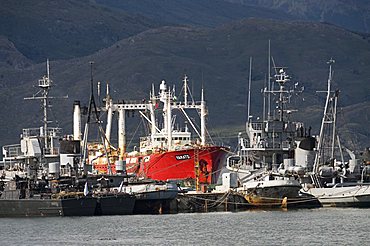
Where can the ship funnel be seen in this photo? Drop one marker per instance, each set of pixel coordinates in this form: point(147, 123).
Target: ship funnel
point(76, 120)
point(163, 86)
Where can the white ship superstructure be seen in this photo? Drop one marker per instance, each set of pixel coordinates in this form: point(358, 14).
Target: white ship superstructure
point(42, 151)
point(165, 137)
point(38, 146)
point(274, 143)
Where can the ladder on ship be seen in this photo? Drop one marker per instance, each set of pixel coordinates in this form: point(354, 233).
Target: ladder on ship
point(196, 168)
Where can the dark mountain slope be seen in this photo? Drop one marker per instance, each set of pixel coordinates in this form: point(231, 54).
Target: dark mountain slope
point(10, 57)
point(69, 28)
point(208, 13)
point(66, 28)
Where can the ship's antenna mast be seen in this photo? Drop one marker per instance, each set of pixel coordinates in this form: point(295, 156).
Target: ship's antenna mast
point(269, 82)
point(328, 118)
point(45, 84)
point(186, 90)
point(249, 88)
point(282, 78)
point(93, 107)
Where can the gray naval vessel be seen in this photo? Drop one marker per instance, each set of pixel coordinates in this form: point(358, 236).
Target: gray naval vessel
point(280, 164)
point(41, 175)
point(276, 151)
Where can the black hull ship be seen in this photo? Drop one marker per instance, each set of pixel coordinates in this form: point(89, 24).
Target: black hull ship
point(20, 203)
point(67, 206)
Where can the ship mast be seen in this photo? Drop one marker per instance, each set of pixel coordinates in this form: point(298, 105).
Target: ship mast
point(151, 106)
point(93, 109)
point(45, 84)
point(203, 120)
point(109, 116)
point(328, 122)
point(282, 78)
point(203, 112)
point(168, 113)
point(249, 89)
point(269, 83)
point(185, 90)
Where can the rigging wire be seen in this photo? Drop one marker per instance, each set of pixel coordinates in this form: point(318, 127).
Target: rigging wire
point(134, 133)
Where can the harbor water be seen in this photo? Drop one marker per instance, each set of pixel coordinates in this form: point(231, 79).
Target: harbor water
point(325, 226)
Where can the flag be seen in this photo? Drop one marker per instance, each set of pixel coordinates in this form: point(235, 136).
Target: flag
point(120, 189)
point(86, 189)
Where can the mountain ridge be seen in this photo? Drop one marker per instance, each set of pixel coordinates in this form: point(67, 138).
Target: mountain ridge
point(350, 14)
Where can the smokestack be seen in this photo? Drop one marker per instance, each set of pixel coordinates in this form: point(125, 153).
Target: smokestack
point(76, 120)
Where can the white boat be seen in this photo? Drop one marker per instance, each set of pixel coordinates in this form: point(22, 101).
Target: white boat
point(343, 195)
point(151, 190)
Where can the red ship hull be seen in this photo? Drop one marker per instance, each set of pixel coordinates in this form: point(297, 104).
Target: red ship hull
point(179, 165)
point(175, 165)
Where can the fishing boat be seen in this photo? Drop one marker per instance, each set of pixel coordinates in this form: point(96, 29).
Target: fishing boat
point(122, 194)
point(109, 201)
point(278, 193)
point(151, 197)
point(167, 153)
point(116, 190)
